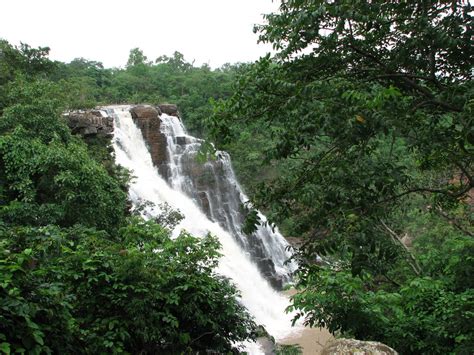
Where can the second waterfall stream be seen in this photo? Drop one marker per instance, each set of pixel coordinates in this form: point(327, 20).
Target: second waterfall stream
point(245, 261)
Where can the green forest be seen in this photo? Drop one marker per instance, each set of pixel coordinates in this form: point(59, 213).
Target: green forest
point(355, 137)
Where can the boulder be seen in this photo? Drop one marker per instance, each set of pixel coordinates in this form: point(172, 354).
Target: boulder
point(144, 112)
point(266, 341)
point(407, 240)
point(90, 123)
point(356, 347)
point(169, 109)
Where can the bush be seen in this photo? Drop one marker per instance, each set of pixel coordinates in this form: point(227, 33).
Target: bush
point(66, 289)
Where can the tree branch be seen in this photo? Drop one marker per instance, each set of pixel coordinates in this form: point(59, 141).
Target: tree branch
point(408, 75)
point(435, 191)
point(397, 240)
point(466, 173)
point(424, 91)
point(199, 337)
point(453, 221)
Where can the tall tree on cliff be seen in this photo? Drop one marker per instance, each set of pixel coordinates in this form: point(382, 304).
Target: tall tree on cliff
point(369, 105)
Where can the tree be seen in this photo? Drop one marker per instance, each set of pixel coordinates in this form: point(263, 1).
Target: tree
point(369, 109)
point(24, 60)
point(136, 57)
point(176, 62)
point(64, 289)
point(47, 175)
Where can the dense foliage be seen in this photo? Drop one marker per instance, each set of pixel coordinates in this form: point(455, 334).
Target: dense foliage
point(367, 115)
point(77, 290)
point(86, 83)
point(79, 272)
point(47, 175)
point(360, 131)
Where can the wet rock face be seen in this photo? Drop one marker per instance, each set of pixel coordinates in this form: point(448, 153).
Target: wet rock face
point(352, 346)
point(144, 112)
point(204, 202)
point(181, 140)
point(267, 268)
point(90, 123)
point(147, 118)
point(208, 184)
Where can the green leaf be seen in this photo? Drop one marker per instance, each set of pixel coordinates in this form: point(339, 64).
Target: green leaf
point(5, 347)
point(38, 336)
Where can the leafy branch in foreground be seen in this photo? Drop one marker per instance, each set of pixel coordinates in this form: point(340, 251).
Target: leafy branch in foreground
point(143, 292)
point(367, 110)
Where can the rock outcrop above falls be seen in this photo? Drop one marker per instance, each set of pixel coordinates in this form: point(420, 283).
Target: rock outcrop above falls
point(97, 122)
point(169, 109)
point(90, 123)
point(147, 118)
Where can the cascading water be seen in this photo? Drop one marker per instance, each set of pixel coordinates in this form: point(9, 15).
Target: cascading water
point(214, 187)
point(262, 301)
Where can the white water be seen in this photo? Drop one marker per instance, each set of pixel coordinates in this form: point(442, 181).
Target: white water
point(224, 196)
point(262, 301)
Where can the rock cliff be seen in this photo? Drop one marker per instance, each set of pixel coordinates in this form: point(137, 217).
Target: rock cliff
point(147, 118)
point(169, 109)
point(96, 122)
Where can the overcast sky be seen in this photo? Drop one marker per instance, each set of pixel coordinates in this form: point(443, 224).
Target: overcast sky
point(207, 31)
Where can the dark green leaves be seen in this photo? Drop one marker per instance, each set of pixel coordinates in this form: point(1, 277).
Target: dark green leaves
point(366, 114)
point(66, 288)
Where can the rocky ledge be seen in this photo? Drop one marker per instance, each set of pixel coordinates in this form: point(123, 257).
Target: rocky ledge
point(90, 123)
point(96, 122)
point(169, 109)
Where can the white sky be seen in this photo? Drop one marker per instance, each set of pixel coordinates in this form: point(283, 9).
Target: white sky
point(207, 31)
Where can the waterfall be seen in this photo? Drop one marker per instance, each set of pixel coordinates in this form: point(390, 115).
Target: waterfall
point(257, 295)
point(214, 187)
